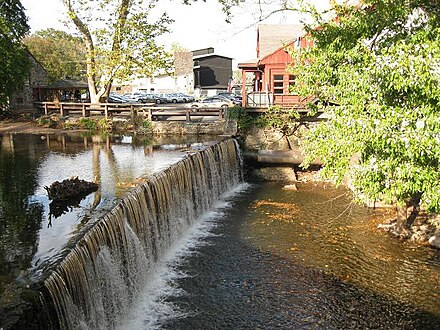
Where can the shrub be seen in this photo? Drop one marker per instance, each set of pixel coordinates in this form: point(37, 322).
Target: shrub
point(244, 121)
point(88, 123)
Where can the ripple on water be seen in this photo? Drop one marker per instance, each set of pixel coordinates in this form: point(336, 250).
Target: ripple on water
point(305, 259)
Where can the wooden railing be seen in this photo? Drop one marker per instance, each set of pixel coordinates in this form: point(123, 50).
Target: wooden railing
point(264, 100)
point(147, 110)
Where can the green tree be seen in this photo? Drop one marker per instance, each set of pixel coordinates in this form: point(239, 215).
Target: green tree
point(60, 53)
point(14, 62)
point(380, 61)
point(119, 40)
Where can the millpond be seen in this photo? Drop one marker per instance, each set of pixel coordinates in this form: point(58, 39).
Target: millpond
point(181, 235)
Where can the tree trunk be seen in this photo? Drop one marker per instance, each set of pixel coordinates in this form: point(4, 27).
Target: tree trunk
point(400, 228)
point(108, 89)
point(405, 221)
point(414, 207)
point(91, 64)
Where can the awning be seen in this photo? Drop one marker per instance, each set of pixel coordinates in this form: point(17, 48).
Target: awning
point(68, 84)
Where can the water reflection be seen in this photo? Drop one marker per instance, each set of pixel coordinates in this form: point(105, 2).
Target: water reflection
point(32, 230)
point(20, 215)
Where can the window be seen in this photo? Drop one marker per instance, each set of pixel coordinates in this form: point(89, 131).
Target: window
point(278, 84)
point(291, 81)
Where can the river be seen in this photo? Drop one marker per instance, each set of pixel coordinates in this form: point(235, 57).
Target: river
point(276, 259)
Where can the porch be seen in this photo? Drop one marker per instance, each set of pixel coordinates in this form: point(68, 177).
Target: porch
point(268, 82)
point(264, 100)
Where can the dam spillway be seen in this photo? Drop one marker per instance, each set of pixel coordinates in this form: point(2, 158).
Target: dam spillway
point(98, 280)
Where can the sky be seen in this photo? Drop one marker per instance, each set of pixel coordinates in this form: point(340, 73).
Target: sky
point(198, 26)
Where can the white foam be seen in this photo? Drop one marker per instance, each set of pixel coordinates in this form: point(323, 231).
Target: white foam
point(152, 309)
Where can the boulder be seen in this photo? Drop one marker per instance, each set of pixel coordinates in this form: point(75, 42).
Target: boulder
point(434, 240)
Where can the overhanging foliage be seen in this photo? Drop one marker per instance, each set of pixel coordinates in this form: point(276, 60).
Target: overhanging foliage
point(15, 65)
point(380, 60)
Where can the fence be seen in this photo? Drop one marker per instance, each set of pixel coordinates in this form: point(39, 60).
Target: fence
point(147, 110)
point(264, 100)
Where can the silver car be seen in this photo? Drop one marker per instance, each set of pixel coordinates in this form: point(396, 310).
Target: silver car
point(175, 98)
point(213, 102)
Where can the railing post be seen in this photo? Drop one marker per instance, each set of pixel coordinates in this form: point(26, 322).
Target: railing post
point(188, 116)
point(106, 110)
point(83, 110)
point(133, 117)
point(221, 114)
point(46, 111)
point(150, 114)
point(61, 110)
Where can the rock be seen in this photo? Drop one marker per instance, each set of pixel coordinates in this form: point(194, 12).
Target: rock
point(434, 240)
point(279, 174)
point(386, 226)
point(309, 176)
point(290, 187)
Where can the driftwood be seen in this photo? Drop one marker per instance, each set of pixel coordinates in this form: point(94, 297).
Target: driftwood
point(70, 189)
point(67, 195)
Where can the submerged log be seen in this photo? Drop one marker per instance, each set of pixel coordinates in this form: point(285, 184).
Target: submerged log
point(70, 189)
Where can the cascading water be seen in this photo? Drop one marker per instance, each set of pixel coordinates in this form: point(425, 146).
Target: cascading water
point(95, 285)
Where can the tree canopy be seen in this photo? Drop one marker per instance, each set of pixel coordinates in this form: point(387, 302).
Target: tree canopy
point(380, 61)
point(119, 37)
point(61, 54)
point(15, 64)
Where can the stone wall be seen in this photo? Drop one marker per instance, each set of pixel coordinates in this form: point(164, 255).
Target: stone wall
point(23, 100)
point(183, 128)
point(265, 139)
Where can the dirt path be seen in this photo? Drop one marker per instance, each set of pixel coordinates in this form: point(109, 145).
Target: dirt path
point(24, 127)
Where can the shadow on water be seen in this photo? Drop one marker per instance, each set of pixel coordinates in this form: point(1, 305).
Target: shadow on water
point(28, 163)
point(267, 266)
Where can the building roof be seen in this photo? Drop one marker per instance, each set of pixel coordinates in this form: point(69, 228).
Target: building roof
point(35, 59)
point(66, 84)
point(203, 51)
point(210, 55)
point(249, 64)
point(270, 37)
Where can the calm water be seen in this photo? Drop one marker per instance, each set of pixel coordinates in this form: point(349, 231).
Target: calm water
point(274, 259)
point(32, 231)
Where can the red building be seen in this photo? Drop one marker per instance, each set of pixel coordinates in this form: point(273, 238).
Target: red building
point(271, 79)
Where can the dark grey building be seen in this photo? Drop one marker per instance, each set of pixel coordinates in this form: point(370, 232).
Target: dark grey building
point(211, 71)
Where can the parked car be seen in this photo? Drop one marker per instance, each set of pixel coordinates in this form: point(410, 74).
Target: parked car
point(186, 98)
point(135, 96)
point(232, 96)
point(175, 98)
point(116, 98)
point(213, 102)
point(155, 98)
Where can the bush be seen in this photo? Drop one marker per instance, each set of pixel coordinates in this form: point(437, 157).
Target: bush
point(244, 121)
point(143, 126)
point(105, 124)
point(49, 121)
point(88, 123)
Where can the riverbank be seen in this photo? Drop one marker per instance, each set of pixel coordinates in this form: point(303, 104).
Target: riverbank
point(424, 230)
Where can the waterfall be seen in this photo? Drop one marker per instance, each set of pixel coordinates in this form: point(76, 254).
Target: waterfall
point(96, 283)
